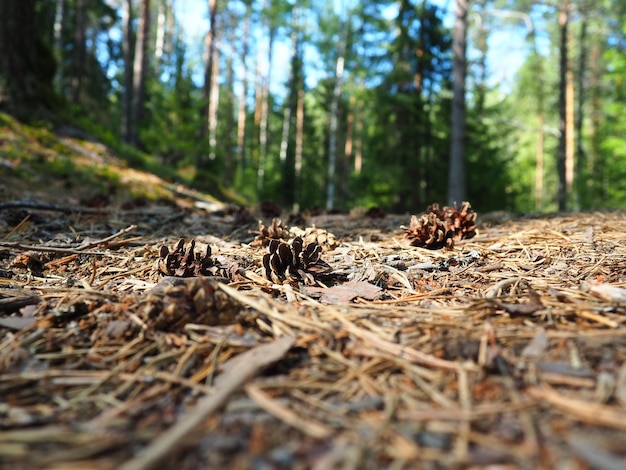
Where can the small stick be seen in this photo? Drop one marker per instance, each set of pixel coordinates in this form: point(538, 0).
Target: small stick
point(583, 410)
point(80, 250)
point(238, 371)
point(50, 207)
point(307, 426)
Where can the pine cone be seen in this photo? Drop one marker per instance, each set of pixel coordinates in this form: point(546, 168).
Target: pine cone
point(174, 302)
point(295, 261)
point(428, 231)
point(437, 228)
point(461, 221)
point(185, 262)
point(275, 231)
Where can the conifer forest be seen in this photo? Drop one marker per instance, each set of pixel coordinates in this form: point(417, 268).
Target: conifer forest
point(515, 105)
point(312, 234)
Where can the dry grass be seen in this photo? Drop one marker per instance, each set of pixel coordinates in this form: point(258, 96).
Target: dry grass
point(508, 350)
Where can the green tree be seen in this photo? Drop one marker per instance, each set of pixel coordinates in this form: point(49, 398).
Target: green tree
point(27, 65)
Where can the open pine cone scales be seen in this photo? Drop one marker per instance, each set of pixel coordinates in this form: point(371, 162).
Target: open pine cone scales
point(437, 228)
point(294, 260)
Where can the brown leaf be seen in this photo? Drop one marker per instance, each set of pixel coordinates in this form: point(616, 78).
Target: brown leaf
point(604, 291)
point(346, 292)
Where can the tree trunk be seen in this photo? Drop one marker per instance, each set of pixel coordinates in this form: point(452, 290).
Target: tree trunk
point(214, 98)
point(127, 52)
point(299, 148)
point(349, 145)
point(456, 175)
point(264, 122)
point(580, 151)
point(332, 138)
point(78, 57)
point(358, 148)
point(139, 70)
point(562, 149)
point(286, 154)
point(27, 65)
point(569, 142)
point(595, 115)
point(209, 47)
point(241, 113)
point(59, 16)
point(284, 142)
point(539, 164)
point(481, 86)
point(229, 118)
point(159, 44)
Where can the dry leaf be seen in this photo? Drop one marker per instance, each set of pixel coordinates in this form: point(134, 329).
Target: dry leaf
point(346, 292)
point(604, 291)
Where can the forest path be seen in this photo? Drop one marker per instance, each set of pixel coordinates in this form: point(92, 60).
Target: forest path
point(507, 349)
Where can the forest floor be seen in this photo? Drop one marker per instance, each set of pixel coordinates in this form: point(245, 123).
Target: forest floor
point(507, 350)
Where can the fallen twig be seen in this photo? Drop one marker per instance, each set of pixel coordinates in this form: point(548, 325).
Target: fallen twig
point(238, 371)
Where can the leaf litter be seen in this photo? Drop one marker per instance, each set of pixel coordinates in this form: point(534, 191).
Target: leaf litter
point(176, 335)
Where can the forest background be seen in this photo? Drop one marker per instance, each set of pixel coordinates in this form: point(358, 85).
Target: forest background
point(325, 104)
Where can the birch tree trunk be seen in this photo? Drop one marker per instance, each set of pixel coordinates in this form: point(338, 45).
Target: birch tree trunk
point(456, 174)
point(139, 70)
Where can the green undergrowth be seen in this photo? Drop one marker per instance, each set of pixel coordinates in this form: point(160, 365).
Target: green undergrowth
point(38, 159)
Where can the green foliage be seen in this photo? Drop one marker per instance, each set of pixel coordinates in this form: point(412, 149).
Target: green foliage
point(393, 114)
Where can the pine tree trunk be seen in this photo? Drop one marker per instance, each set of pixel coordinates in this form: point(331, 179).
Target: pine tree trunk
point(59, 16)
point(595, 114)
point(358, 135)
point(241, 108)
point(209, 53)
point(539, 164)
point(264, 122)
point(456, 175)
point(214, 97)
point(332, 139)
point(562, 149)
point(569, 142)
point(287, 154)
point(299, 147)
point(127, 52)
point(349, 145)
point(580, 151)
point(27, 65)
point(78, 57)
point(139, 70)
point(159, 44)
point(230, 118)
